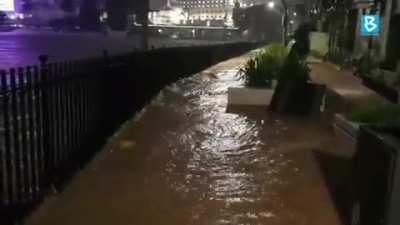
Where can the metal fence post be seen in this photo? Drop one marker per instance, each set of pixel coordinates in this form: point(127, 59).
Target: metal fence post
point(9, 179)
point(46, 120)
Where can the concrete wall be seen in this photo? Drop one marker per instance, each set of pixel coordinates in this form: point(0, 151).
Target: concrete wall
point(319, 42)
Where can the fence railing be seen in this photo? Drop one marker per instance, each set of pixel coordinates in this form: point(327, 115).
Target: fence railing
point(54, 116)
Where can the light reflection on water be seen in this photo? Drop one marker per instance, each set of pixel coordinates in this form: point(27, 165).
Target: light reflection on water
point(226, 160)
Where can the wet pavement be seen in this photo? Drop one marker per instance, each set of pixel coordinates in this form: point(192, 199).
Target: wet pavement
point(343, 82)
point(186, 160)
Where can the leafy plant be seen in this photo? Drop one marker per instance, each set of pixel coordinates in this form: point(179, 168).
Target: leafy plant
point(261, 70)
point(365, 65)
point(293, 93)
point(295, 70)
point(375, 113)
point(378, 80)
point(397, 80)
point(276, 51)
point(295, 67)
point(253, 75)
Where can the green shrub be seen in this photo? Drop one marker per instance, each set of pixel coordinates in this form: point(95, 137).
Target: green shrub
point(293, 93)
point(276, 51)
point(378, 80)
point(295, 70)
point(261, 70)
point(376, 114)
point(252, 75)
point(397, 80)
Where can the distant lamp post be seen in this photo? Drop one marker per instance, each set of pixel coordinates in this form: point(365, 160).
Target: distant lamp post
point(271, 5)
point(285, 21)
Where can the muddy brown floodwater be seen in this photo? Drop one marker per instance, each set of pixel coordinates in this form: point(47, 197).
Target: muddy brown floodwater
point(186, 160)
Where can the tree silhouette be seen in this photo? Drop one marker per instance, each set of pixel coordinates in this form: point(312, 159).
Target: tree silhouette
point(117, 13)
point(89, 15)
point(27, 6)
point(68, 5)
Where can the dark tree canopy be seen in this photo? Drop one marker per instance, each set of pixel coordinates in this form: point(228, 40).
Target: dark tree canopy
point(89, 15)
point(27, 6)
point(302, 37)
point(68, 5)
point(118, 12)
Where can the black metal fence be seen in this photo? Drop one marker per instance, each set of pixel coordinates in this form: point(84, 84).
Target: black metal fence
point(54, 116)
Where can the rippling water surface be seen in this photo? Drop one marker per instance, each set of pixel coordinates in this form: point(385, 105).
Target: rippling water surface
point(185, 160)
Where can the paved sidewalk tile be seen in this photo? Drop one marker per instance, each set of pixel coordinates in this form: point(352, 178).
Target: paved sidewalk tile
point(343, 82)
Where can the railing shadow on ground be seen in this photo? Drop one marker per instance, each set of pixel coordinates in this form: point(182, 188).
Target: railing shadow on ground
point(56, 115)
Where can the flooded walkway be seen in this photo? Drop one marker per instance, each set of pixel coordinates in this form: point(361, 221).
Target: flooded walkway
point(185, 160)
point(343, 82)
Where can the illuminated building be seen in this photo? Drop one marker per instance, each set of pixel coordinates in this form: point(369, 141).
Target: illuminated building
point(7, 5)
point(208, 12)
point(168, 16)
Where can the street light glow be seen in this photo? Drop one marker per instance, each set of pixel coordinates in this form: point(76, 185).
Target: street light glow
point(271, 5)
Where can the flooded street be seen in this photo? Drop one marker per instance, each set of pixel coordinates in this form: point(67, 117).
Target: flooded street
point(186, 160)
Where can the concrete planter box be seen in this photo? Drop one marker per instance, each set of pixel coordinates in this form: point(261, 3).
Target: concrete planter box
point(346, 133)
point(249, 96)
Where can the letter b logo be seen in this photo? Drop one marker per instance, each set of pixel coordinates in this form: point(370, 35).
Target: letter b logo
point(370, 25)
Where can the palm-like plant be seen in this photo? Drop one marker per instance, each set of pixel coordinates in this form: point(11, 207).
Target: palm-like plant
point(261, 70)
